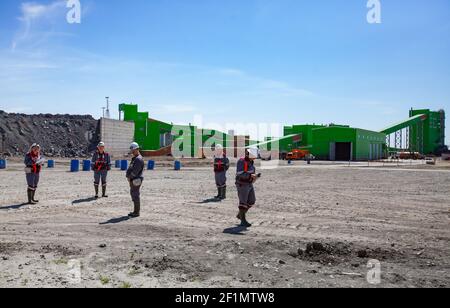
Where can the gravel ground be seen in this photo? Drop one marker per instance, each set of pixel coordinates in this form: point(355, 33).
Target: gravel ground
point(314, 226)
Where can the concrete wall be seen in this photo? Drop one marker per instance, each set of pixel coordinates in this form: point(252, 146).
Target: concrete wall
point(117, 135)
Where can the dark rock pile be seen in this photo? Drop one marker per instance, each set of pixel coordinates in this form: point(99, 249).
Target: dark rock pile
point(58, 135)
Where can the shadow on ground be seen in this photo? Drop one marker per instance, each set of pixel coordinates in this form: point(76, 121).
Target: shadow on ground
point(238, 230)
point(210, 200)
point(115, 220)
point(13, 207)
point(85, 200)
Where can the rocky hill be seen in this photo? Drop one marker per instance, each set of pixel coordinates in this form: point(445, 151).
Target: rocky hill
point(58, 135)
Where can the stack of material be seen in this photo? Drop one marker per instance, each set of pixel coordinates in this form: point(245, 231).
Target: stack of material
point(58, 135)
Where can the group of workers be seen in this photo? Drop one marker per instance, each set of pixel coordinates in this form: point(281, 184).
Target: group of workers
point(246, 176)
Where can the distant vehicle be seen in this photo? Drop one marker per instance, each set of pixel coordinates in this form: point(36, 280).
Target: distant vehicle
point(298, 155)
point(406, 155)
point(430, 161)
point(411, 155)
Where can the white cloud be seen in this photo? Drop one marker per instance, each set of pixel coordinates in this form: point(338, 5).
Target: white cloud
point(32, 14)
point(32, 11)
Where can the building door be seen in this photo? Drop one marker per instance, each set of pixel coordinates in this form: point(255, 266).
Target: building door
point(165, 140)
point(343, 151)
point(332, 151)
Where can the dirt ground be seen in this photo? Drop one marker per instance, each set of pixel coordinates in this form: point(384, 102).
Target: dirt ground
point(313, 226)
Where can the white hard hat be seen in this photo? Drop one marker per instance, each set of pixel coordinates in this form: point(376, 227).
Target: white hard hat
point(253, 152)
point(34, 145)
point(134, 146)
point(219, 147)
point(101, 144)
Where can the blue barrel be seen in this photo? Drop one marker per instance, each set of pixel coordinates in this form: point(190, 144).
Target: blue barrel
point(177, 165)
point(86, 165)
point(2, 164)
point(74, 165)
point(151, 165)
point(124, 165)
point(117, 164)
point(51, 164)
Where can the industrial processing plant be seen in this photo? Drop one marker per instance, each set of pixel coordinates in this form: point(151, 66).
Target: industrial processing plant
point(422, 133)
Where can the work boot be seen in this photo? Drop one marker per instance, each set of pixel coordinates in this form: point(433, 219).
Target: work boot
point(33, 192)
point(137, 210)
point(30, 196)
point(224, 193)
point(96, 191)
point(104, 192)
point(219, 193)
point(240, 214)
point(244, 222)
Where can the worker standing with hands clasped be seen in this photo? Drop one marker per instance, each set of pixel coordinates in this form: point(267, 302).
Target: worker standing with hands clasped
point(33, 165)
point(221, 166)
point(101, 164)
point(135, 177)
point(245, 178)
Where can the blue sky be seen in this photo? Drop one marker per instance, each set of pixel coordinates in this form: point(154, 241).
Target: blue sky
point(284, 61)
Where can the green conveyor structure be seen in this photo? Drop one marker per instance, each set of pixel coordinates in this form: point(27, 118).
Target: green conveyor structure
point(413, 121)
point(408, 134)
point(269, 143)
point(423, 132)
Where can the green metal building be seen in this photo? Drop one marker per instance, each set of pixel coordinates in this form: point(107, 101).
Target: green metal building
point(422, 132)
point(154, 135)
point(345, 143)
point(302, 140)
point(335, 142)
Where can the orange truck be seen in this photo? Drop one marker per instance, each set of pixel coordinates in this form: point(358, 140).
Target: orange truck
point(410, 155)
point(297, 155)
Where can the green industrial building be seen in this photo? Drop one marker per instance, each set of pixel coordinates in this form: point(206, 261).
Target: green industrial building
point(335, 142)
point(154, 136)
point(423, 132)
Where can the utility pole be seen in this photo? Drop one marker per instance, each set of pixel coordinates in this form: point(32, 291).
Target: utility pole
point(108, 115)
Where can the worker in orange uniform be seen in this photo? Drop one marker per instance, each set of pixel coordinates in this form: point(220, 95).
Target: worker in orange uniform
point(33, 165)
point(101, 164)
point(221, 166)
point(245, 178)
